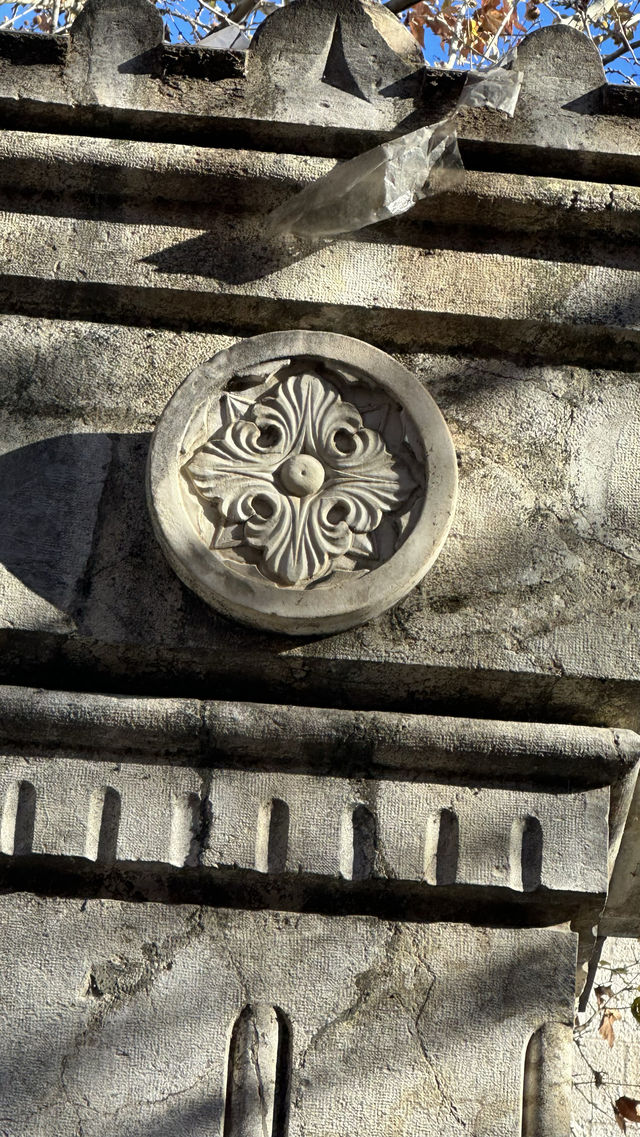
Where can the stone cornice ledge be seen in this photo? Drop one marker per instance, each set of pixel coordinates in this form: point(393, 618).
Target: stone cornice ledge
point(114, 76)
point(227, 761)
point(316, 739)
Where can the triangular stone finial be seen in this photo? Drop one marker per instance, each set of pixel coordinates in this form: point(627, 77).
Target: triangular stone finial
point(113, 40)
point(337, 72)
point(335, 54)
point(563, 63)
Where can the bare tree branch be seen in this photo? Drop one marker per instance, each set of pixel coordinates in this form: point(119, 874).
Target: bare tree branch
point(620, 51)
point(398, 6)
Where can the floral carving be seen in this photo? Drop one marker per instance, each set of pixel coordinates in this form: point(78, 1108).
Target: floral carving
point(295, 475)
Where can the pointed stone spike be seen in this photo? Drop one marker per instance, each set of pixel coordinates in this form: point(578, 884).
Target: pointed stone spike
point(112, 42)
point(337, 72)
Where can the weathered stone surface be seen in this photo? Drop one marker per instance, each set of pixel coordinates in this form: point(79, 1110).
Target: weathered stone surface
point(114, 42)
point(223, 819)
point(308, 809)
point(547, 1081)
point(454, 291)
point(321, 740)
point(336, 61)
point(163, 177)
point(121, 1015)
point(622, 913)
point(125, 264)
point(531, 604)
point(345, 105)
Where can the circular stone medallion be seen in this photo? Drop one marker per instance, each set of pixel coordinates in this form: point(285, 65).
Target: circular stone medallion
point(301, 481)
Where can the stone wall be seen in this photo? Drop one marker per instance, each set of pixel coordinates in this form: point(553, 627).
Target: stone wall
point(257, 884)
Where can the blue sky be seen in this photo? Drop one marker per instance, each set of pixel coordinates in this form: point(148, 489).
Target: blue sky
point(620, 71)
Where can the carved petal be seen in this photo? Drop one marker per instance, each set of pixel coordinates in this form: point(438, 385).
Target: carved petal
point(367, 483)
point(242, 498)
point(307, 412)
point(239, 452)
point(300, 537)
point(299, 541)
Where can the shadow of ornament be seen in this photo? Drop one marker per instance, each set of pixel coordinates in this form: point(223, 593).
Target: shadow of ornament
point(301, 481)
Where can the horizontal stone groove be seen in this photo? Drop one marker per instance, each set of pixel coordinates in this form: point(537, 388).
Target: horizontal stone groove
point(480, 151)
point(84, 664)
point(448, 226)
point(255, 734)
point(391, 328)
point(234, 888)
point(145, 125)
point(506, 278)
point(122, 171)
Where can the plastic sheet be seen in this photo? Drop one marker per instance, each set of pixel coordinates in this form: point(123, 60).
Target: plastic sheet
point(498, 87)
point(378, 184)
point(391, 178)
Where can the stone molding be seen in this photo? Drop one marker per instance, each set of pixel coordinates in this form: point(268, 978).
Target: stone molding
point(329, 806)
point(301, 482)
point(161, 815)
point(324, 740)
point(114, 75)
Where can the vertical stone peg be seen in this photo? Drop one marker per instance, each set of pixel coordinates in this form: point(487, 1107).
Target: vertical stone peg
point(18, 820)
point(546, 1099)
point(357, 843)
point(258, 1074)
point(272, 840)
point(103, 825)
point(525, 854)
point(184, 845)
point(441, 848)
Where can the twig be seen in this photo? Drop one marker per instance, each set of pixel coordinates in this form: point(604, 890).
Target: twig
point(629, 45)
point(627, 80)
point(620, 51)
point(398, 6)
point(495, 38)
point(557, 18)
point(194, 23)
point(19, 15)
point(243, 9)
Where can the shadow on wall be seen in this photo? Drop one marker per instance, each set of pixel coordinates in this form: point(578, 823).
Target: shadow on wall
point(49, 497)
point(144, 1021)
point(234, 260)
point(74, 528)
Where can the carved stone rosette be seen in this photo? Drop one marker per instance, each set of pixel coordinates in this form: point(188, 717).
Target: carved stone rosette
point(301, 481)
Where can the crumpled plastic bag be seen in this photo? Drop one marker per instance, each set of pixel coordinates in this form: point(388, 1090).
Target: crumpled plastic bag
point(498, 87)
point(380, 183)
point(391, 178)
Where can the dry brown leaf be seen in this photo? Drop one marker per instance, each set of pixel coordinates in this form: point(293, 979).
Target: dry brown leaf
point(626, 1109)
point(602, 993)
point(606, 1026)
point(492, 19)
